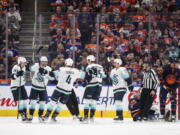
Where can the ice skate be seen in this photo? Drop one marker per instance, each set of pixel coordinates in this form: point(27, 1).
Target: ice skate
point(85, 120)
point(29, 119)
point(54, 120)
point(118, 119)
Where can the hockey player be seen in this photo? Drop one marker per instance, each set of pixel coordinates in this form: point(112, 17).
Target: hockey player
point(171, 77)
point(93, 77)
point(121, 80)
point(39, 82)
point(66, 77)
point(73, 107)
point(134, 106)
point(17, 86)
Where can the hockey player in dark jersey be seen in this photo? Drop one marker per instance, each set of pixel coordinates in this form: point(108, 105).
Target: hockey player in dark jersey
point(134, 106)
point(170, 82)
point(93, 77)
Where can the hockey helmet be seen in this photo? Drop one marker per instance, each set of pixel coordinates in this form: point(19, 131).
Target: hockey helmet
point(21, 60)
point(43, 58)
point(69, 62)
point(118, 61)
point(91, 58)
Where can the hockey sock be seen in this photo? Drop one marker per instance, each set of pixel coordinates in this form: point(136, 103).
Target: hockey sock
point(173, 107)
point(25, 108)
point(48, 112)
point(162, 109)
point(93, 110)
point(20, 109)
point(119, 110)
point(56, 112)
point(32, 109)
point(86, 110)
point(41, 110)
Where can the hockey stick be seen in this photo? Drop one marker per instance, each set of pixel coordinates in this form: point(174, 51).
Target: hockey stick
point(19, 94)
point(107, 95)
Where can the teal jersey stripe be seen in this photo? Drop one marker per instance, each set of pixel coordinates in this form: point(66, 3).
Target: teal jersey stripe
point(64, 92)
point(12, 89)
point(119, 91)
point(94, 85)
point(40, 89)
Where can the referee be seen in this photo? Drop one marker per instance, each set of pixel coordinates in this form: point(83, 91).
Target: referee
point(149, 86)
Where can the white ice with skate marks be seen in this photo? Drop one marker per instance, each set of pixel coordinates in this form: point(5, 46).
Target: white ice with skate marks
point(101, 126)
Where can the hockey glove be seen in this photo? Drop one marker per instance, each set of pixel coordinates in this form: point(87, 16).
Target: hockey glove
point(42, 71)
point(29, 64)
point(131, 88)
point(51, 74)
point(20, 73)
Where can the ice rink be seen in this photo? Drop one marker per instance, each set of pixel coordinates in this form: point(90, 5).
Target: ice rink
point(101, 126)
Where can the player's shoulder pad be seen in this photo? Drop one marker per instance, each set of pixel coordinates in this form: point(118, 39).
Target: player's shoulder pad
point(36, 65)
point(16, 67)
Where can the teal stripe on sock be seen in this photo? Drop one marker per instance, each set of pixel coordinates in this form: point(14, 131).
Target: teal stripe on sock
point(58, 109)
point(93, 106)
point(50, 107)
point(86, 106)
point(20, 107)
point(41, 106)
point(24, 106)
point(119, 108)
point(32, 106)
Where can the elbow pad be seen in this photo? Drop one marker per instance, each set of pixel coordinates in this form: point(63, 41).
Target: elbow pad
point(88, 78)
point(129, 81)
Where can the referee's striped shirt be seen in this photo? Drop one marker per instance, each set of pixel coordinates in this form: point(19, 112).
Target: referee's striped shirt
point(150, 80)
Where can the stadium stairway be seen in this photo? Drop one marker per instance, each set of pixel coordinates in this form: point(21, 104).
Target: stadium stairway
point(27, 29)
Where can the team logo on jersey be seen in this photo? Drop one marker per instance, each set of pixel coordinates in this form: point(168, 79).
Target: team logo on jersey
point(39, 77)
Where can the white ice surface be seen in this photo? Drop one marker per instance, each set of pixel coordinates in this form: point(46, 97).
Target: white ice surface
point(101, 126)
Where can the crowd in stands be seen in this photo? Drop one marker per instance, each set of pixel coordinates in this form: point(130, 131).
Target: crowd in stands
point(134, 30)
point(11, 9)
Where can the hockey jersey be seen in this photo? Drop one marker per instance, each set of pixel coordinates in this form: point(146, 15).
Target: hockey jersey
point(18, 81)
point(118, 77)
point(39, 81)
point(94, 74)
point(66, 77)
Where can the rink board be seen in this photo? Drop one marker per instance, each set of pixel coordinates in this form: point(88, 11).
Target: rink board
point(9, 108)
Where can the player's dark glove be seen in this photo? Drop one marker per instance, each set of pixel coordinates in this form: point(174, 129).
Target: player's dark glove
point(131, 88)
point(84, 83)
point(42, 71)
point(76, 84)
point(51, 74)
point(20, 73)
point(29, 64)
